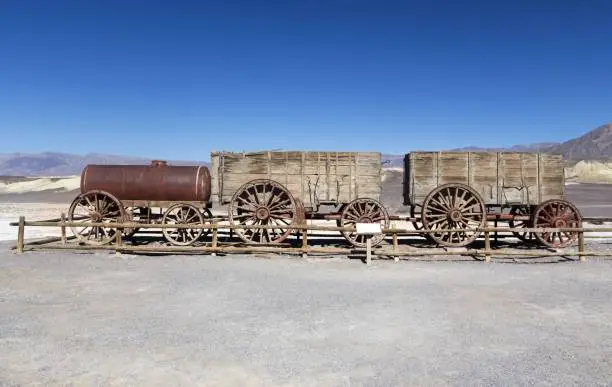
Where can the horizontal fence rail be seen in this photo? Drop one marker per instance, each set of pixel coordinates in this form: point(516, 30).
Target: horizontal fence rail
point(303, 231)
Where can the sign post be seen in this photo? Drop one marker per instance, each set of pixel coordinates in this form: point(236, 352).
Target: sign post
point(368, 229)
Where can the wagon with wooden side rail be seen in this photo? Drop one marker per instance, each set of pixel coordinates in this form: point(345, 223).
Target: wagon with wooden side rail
point(461, 191)
point(282, 188)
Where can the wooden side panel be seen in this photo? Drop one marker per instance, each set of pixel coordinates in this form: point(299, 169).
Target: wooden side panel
point(500, 178)
point(214, 176)
point(552, 178)
point(518, 178)
point(453, 167)
point(313, 177)
point(421, 176)
point(483, 168)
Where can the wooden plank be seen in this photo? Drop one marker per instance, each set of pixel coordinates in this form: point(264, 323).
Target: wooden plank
point(309, 176)
point(483, 168)
point(500, 178)
point(20, 234)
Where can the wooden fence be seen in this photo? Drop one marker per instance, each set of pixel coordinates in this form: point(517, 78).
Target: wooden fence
point(302, 247)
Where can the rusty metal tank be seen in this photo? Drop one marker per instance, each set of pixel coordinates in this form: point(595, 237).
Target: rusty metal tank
point(156, 182)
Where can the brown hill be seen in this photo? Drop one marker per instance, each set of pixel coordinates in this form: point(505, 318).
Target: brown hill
point(594, 145)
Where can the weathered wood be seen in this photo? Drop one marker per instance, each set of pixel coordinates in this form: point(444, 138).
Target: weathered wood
point(300, 227)
point(20, 234)
point(118, 242)
point(304, 243)
point(369, 251)
point(487, 246)
point(63, 228)
point(215, 237)
point(581, 247)
point(501, 178)
point(312, 177)
point(395, 246)
point(315, 250)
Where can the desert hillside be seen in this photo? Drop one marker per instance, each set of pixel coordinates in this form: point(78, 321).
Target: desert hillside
point(594, 145)
point(589, 172)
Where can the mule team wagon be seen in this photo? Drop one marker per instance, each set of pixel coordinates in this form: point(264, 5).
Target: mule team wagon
point(451, 194)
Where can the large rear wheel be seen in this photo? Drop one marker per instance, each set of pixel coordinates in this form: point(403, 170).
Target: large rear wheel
point(263, 202)
point(453, 207)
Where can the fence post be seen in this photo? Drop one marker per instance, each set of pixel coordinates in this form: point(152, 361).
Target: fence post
point(215, 237)
point(581, 248)
point(369, 250)
point(20, 234)
point(396, 257)
point(63, 217)
point(118, 241)
point(304, 242)
point(487, 246)
point(495, 224)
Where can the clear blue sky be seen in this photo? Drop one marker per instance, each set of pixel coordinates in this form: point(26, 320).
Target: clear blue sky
point(177, 79)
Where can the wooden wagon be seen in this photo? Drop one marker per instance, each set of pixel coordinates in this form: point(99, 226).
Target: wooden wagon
point(282, 188)
point(462, 190)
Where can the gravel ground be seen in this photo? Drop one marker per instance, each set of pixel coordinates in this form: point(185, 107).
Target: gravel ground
point(104, 319)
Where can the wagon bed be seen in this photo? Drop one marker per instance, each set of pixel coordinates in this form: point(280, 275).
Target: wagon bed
point(455, 193)
point(501, 178)
point(314, 178)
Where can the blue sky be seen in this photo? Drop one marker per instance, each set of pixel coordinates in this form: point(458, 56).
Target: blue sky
point(177, 79)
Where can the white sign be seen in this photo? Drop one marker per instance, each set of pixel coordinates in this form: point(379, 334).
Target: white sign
point(368, 229)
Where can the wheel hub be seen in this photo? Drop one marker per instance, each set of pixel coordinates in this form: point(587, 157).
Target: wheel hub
point(455, 215)
point(560, 223)
point(95, 216)
point(262, 213)
point(364, 219)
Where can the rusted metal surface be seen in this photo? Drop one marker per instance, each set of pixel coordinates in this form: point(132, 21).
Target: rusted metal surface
point(500, 178)
point(314, 178)
point(155, 182)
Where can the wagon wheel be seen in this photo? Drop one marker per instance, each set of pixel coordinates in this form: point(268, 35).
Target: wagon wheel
point(183, 213)
point(518, 224)
point(138, 215)
point(363, 211)
point(417, 224)
point(263, 202)
point(99, 207)
point(557, 213)
point(453, 206)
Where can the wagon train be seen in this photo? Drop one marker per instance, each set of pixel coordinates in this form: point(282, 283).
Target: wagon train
point(451, 194)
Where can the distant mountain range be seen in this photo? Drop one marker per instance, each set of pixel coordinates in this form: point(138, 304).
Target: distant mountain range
point(64, 164)
point(594, 145)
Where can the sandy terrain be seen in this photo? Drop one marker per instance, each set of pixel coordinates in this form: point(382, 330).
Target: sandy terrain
point(102, 319)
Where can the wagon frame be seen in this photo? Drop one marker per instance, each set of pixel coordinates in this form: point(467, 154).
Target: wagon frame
point(454, 190)
point(288, 187)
